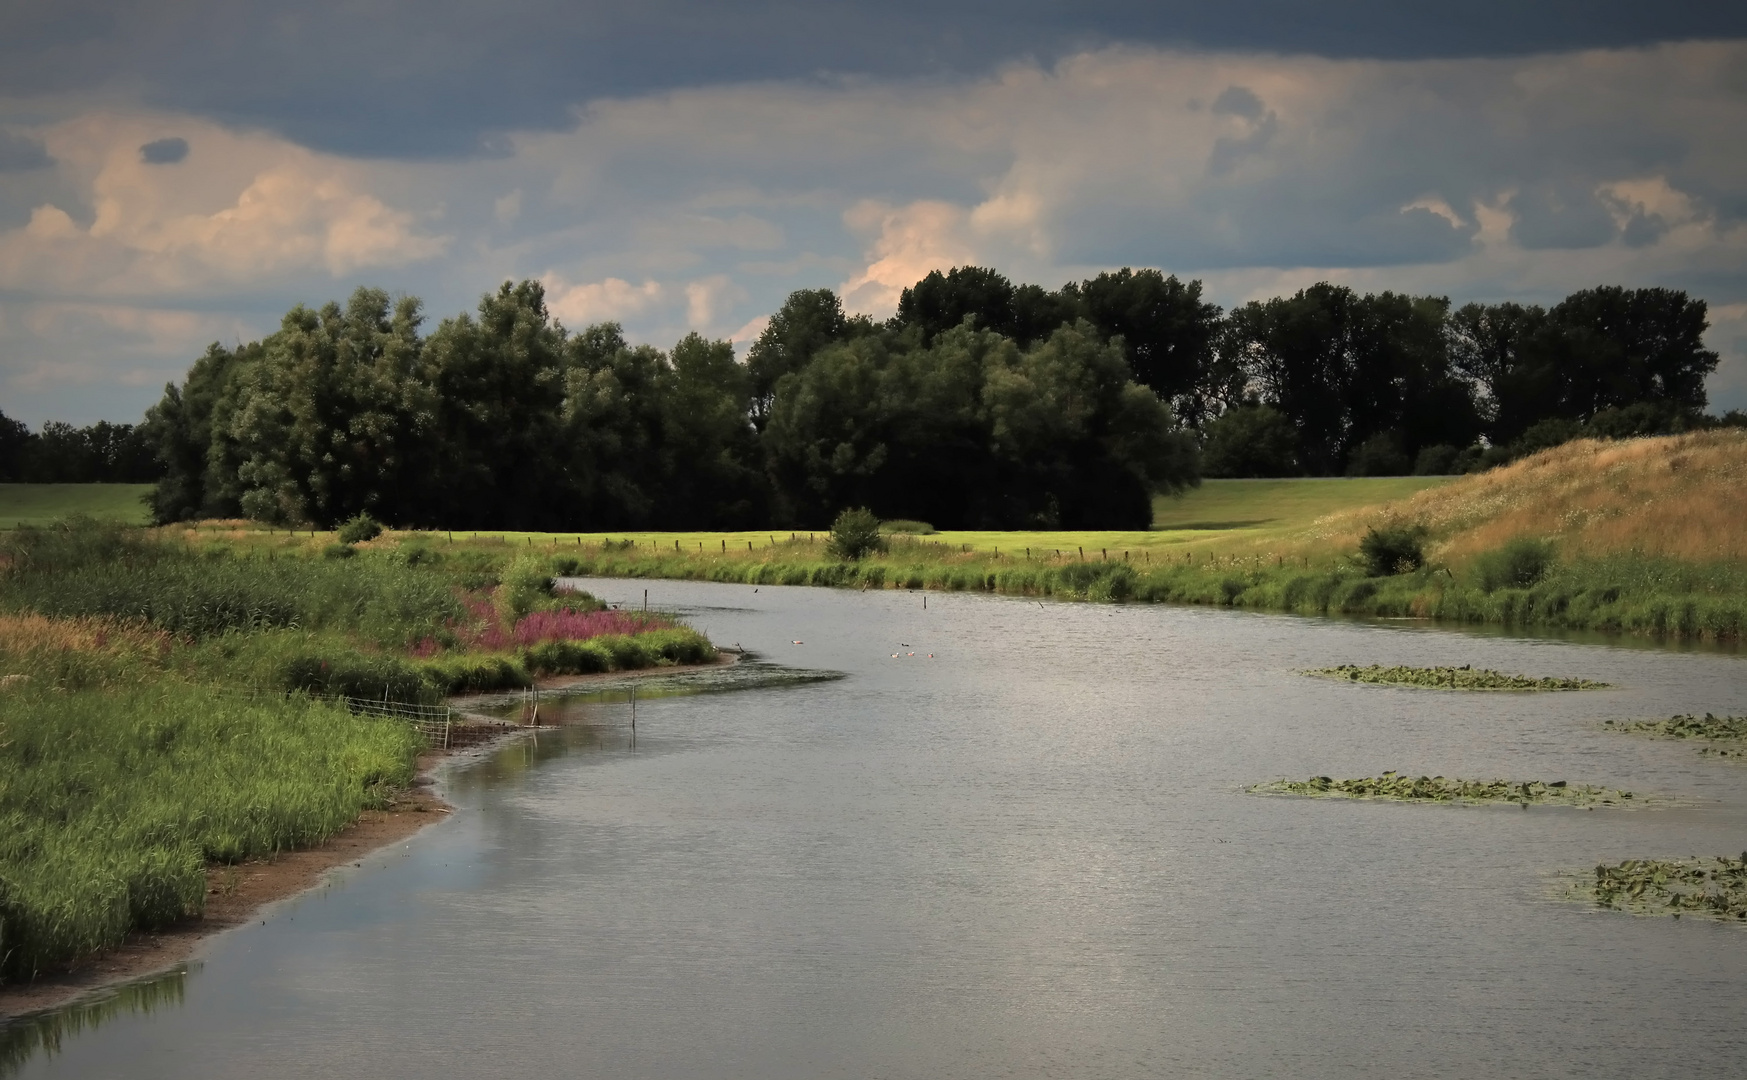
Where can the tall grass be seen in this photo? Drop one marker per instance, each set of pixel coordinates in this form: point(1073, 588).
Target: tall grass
point(203, 596)
point(112, 803)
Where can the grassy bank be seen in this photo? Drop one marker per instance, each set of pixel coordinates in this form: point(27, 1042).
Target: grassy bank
point(166, 705)
point(1645, 536)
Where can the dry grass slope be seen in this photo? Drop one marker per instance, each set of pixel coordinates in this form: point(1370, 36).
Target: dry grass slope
point(1678, 496)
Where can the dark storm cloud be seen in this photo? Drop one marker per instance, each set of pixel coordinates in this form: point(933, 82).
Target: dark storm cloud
point(443, 78)
point(164, 151)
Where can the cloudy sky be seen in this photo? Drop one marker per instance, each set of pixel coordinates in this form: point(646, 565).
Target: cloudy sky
point(184, 172)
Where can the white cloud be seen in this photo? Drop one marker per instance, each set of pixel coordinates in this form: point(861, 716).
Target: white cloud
point(597, 301)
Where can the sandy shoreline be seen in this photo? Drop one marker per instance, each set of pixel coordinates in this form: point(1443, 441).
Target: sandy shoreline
point(236, 894)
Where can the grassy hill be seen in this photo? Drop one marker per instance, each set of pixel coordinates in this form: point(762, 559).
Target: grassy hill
point(39, 504)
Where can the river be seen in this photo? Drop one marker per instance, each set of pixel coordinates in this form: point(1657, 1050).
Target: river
point(1019, 848)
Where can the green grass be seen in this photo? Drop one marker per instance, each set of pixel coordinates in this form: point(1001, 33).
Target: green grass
point(1226, 506)
point(40, 504)
point(1391, 786)
point(112, 804)
point(1450, 678)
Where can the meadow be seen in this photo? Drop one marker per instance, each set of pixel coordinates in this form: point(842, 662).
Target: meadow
point(43, 504)
point(165, 706)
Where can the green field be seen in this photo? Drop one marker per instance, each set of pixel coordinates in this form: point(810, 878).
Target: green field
point(1269, 505)
point(39, 504)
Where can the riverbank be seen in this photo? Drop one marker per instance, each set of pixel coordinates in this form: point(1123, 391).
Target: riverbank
point(238, 893)
point(1643, 536)
point(235, 894)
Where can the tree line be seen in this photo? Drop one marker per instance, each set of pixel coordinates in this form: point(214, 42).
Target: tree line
point(981, 403)
point(103, 453)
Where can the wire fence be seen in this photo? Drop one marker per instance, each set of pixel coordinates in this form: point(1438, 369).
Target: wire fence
point(435, 722)
point(443, 727)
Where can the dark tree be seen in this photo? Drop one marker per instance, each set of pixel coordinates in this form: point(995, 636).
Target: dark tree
point(15, 439)
point(941, 302)
point(1249, 441)
point(809, 320)
point(1167, 331)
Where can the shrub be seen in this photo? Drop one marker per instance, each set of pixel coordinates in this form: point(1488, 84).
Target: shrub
point(854, 534)
point(1516, 565)
point(338, 551)
point(1393, 549)
point(359, 529)
point(912, 528)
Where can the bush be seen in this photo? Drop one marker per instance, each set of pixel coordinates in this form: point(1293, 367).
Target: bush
point(1517, 565)
point(912, 528)
point(338, 551)
point(359, 529)
point(1393, 549)
point(854, 534)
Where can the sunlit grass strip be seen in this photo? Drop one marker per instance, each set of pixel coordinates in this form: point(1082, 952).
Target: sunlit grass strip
point(112, 804)
point(1440, 789)
point(1450, 678)
point(1707, 888)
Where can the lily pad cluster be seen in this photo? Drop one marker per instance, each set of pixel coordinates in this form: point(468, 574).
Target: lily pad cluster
point(1446, 790)
point(1711, 888)
point(1688, 726)
point(1465, 677)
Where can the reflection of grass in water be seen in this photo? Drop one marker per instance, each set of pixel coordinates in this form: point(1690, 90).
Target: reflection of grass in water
point(1709, 888)
point(750, 674)
point(23, 1038)
point(1442, 789)
point(1450, 678)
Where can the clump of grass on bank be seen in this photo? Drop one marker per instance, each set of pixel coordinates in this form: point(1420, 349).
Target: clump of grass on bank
point(1708, 888)
point(112, 803)
point(1440, 789)
point(1450, 678)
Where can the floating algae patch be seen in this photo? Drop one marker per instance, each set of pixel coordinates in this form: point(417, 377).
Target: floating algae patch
point(1711, 728)
point(1708, 888)
point(1441, 789)
point(1465, 677)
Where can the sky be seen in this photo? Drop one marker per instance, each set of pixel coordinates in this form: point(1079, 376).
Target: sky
point(183, 172)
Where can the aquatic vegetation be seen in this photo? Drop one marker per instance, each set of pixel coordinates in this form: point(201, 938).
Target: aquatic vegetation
point(1708, 888)
point(1451, 678)
point(1401, 788)
point(1687, 726)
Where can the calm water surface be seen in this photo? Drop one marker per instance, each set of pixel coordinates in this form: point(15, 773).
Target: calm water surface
point(1029, 856)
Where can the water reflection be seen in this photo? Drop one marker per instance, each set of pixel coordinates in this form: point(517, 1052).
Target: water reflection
point(1030, 855)
point(24, 1037)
